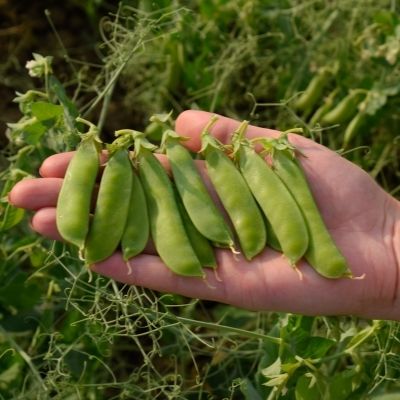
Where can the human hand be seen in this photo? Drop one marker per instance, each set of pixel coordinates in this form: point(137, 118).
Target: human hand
point(363, 220)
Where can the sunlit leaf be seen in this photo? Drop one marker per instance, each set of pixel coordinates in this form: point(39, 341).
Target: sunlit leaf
point(9, 375)
point(44, 111)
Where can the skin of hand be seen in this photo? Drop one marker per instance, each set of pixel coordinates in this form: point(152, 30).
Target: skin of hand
point(362, 218)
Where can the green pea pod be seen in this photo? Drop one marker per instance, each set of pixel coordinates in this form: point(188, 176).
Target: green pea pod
point(112, 206)
point(272, 240)
point(277, 203)
point(323, 109)
point(353, 128)
point(235, 196)
point(345, 109)
point(166, 226)
point(313, 91)
point(197, 201)
point(74, 200)
point(201, 246)
point(322, 253)
point(136, 232)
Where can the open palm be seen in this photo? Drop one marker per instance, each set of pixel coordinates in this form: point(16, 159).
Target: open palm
point(362, 219)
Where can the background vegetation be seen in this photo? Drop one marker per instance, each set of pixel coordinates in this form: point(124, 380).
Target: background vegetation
point(67, 335)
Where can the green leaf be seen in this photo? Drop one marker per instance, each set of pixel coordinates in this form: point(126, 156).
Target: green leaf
point(71, 330)
point(341, 385)
point(34, 132)
point(317, 347)
point(297, 335)
point(9, 375)
point(20, 293)
point(70, 110)
point(385, 18)
point(307, 389)
point(37, 256)
point(10, 216)
point(44, 111)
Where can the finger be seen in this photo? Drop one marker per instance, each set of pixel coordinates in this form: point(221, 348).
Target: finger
point(34, 194)
point(268, 283)
point(56, 165)
point(316, 159)
point(44, 223)
point(37, 193)
point(191, 123)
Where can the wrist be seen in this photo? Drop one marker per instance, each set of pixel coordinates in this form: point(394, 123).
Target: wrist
point(396, 240)
point(394, 311)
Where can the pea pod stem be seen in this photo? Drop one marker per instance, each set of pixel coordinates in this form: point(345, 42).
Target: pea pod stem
point(92, 133)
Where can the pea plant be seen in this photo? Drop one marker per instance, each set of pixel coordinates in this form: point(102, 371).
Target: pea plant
point(66, 333)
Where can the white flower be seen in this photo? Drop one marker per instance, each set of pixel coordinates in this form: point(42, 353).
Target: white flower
point(39, 66)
